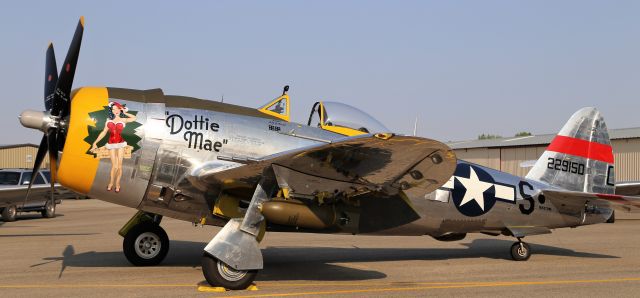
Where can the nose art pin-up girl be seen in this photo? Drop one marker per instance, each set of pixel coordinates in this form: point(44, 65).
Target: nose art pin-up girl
point(117, 119)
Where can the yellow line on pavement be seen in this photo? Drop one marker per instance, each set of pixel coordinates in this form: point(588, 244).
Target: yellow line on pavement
point(53, 286)
point(357, 284)
point(373, 286)
point(451, 286)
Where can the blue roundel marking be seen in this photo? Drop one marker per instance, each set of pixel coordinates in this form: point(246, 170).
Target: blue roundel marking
point(474, 190)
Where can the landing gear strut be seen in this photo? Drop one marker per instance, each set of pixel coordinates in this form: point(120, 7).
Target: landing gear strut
point(145, 243)
point(520, 251)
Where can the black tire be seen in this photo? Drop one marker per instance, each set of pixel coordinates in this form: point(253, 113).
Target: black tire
point(146, 244)
point(612, 219)
point(520, 252)
point(49, 210)
point(9, 213)
point(218, 274)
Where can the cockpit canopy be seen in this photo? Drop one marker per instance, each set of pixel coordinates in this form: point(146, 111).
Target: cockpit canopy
point(331, 116)
point(343, 119)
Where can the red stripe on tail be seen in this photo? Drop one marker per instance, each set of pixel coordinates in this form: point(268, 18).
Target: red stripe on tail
point(582, 148)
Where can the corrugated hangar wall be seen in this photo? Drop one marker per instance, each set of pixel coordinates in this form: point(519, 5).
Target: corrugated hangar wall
point(19, 156)
point(508, 159)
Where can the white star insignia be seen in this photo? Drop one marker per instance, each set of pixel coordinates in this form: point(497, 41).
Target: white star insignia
point(475, 188)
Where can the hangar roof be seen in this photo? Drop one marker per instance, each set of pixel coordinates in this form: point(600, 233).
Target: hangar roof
point(9, 146)
point(614, 134)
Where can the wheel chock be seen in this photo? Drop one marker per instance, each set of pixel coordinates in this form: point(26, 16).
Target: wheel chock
point(210, 289)
point(251, 287)
point(204, 287)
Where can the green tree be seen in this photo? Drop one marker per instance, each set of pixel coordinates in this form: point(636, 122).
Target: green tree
point(128, 133)
point(523, 134)
point(489, 137)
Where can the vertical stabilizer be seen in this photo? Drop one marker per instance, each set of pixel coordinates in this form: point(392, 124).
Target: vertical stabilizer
point(580, 157)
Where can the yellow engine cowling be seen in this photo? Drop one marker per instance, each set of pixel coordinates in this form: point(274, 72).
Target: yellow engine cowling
point(77, 169)
point(90, 172)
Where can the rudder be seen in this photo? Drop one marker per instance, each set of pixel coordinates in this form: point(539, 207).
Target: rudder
point(580, 157)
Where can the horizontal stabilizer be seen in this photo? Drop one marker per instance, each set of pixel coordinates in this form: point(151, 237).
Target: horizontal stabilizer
point(584, 200)
point(628, 188)
point(521, 231)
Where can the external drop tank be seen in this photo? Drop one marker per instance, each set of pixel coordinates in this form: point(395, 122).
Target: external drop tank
point(291, 212)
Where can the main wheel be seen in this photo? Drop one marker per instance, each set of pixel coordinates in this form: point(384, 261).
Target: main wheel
point(146, 244)
point(520, 251)
point(219, 274)
point(49, 210)
point(9, 213)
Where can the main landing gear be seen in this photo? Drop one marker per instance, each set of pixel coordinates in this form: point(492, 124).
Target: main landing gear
point(145, 242)
point(520, 251)
point(232, 258)
point(217, 273)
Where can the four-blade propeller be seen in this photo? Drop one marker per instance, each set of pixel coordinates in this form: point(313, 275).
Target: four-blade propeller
point(57, 103)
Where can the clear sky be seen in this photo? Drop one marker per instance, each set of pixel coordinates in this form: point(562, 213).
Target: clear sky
point(463, 67)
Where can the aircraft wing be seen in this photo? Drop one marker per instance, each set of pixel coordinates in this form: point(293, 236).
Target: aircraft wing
point(365, 163)
point(628, 188)
point(380, 171)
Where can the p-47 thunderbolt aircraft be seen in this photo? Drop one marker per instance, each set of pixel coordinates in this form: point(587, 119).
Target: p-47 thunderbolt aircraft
point(253, 170)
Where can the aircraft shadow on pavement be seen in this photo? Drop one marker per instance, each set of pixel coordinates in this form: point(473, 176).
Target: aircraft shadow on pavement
point(46, 235)
point(31, 216)
point(316, 263)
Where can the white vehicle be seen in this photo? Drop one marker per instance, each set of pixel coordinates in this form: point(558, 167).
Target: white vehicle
point(14, 184)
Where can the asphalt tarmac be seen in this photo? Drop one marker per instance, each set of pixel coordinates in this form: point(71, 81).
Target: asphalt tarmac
point(79, 253)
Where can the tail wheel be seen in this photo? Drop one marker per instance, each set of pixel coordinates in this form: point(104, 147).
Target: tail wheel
point(49, 209)
point(220, 274)
point(146, 244)
point(9, 213)
point(520, 251)
point(612, 218)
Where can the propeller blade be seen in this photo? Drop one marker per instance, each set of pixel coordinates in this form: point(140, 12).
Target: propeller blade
point(42, 151)
point(52, 142)
point(60, 139)
point(50, 78)
point(53, 159)
point(62, 95)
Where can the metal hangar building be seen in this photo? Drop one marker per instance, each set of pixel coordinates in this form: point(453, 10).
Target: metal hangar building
point(511, 154)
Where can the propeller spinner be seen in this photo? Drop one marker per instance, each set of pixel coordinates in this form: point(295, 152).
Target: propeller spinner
point(57, 102)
